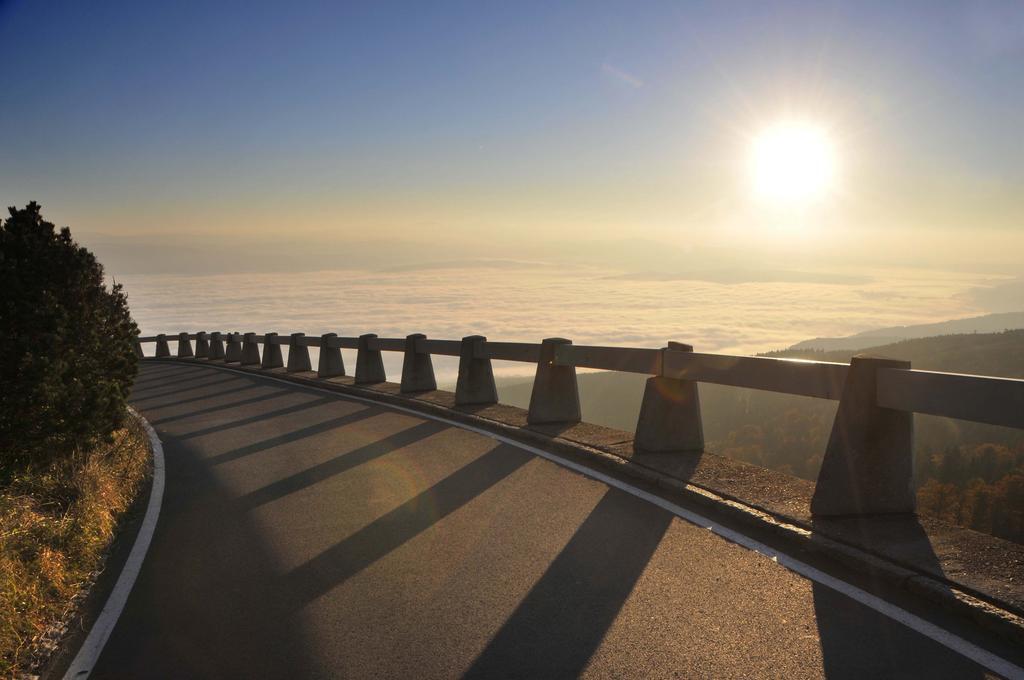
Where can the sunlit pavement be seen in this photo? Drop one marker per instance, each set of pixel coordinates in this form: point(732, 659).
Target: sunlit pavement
point(309, 535)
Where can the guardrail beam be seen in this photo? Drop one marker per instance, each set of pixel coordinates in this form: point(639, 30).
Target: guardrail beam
point(526, 352)
point(670, 419)
point(978, 398)
point(475, 384)
point(447, 348)
point(623, 359)
point(868, 465)
point(369, 363)
point(556, 395)
point(387, 344)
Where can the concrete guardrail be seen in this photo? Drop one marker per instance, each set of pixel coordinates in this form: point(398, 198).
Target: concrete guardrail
point(868, 462)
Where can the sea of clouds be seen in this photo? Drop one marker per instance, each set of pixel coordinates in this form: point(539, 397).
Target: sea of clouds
point(527, 303)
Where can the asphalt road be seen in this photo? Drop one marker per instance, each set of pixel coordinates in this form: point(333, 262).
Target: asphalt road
point(309, 535)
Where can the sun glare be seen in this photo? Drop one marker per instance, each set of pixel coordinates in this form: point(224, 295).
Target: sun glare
point(793, 163)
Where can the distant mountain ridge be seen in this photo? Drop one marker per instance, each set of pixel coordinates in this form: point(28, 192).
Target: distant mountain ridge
point(999, 354)
point(989, 323)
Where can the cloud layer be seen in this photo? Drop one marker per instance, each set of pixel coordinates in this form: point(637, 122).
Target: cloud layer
point(528, 305)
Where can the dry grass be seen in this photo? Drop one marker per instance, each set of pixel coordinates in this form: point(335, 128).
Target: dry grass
point(55, 527)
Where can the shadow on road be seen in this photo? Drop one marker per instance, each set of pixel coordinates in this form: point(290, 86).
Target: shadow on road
point(335, 466)
point(207, 378)
point(241, 422)
point(565, 616)
point(202, 397)
point(224, 407)
point(859, 642)
point(226, 609)
point(153, 373)
point(346, 559)
point(208, 602)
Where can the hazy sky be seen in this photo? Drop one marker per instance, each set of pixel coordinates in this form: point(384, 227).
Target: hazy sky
point(507, 126)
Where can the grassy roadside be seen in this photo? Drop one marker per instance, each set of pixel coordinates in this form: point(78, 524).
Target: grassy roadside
point(56, 524)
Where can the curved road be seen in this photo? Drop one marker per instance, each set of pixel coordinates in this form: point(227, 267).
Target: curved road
point(305, 534)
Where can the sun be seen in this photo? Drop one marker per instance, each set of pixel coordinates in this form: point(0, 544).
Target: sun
point(793, 163)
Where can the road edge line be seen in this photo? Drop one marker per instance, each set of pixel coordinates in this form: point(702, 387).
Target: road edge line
point(89, 653)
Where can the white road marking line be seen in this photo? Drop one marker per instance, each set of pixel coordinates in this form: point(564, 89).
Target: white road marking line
point(965, 648)
point(89, 653)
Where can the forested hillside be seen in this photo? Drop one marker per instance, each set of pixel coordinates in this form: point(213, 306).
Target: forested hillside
point(967, 473)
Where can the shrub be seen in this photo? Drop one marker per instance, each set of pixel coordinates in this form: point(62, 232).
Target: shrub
point(56, 523)
point(67, 357)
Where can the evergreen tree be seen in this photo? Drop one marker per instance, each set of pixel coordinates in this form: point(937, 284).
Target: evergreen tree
point(67, 357)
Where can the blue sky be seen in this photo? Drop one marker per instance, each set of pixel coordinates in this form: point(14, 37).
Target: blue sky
point(599, 120)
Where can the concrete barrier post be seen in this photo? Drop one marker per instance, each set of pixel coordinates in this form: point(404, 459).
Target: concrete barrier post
point(137, 346)
point(162, 348)
point(369, 363)
point(184, 346)
point(556, 396)
point(670, 413)
point(233, 352)
point(202, 345)
point(272, 357)
point(298, 354)
point(250, 350)
point(417, 368)
point(216, 346)
point(331, 363)
point(475, 384)
point(868, 466)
